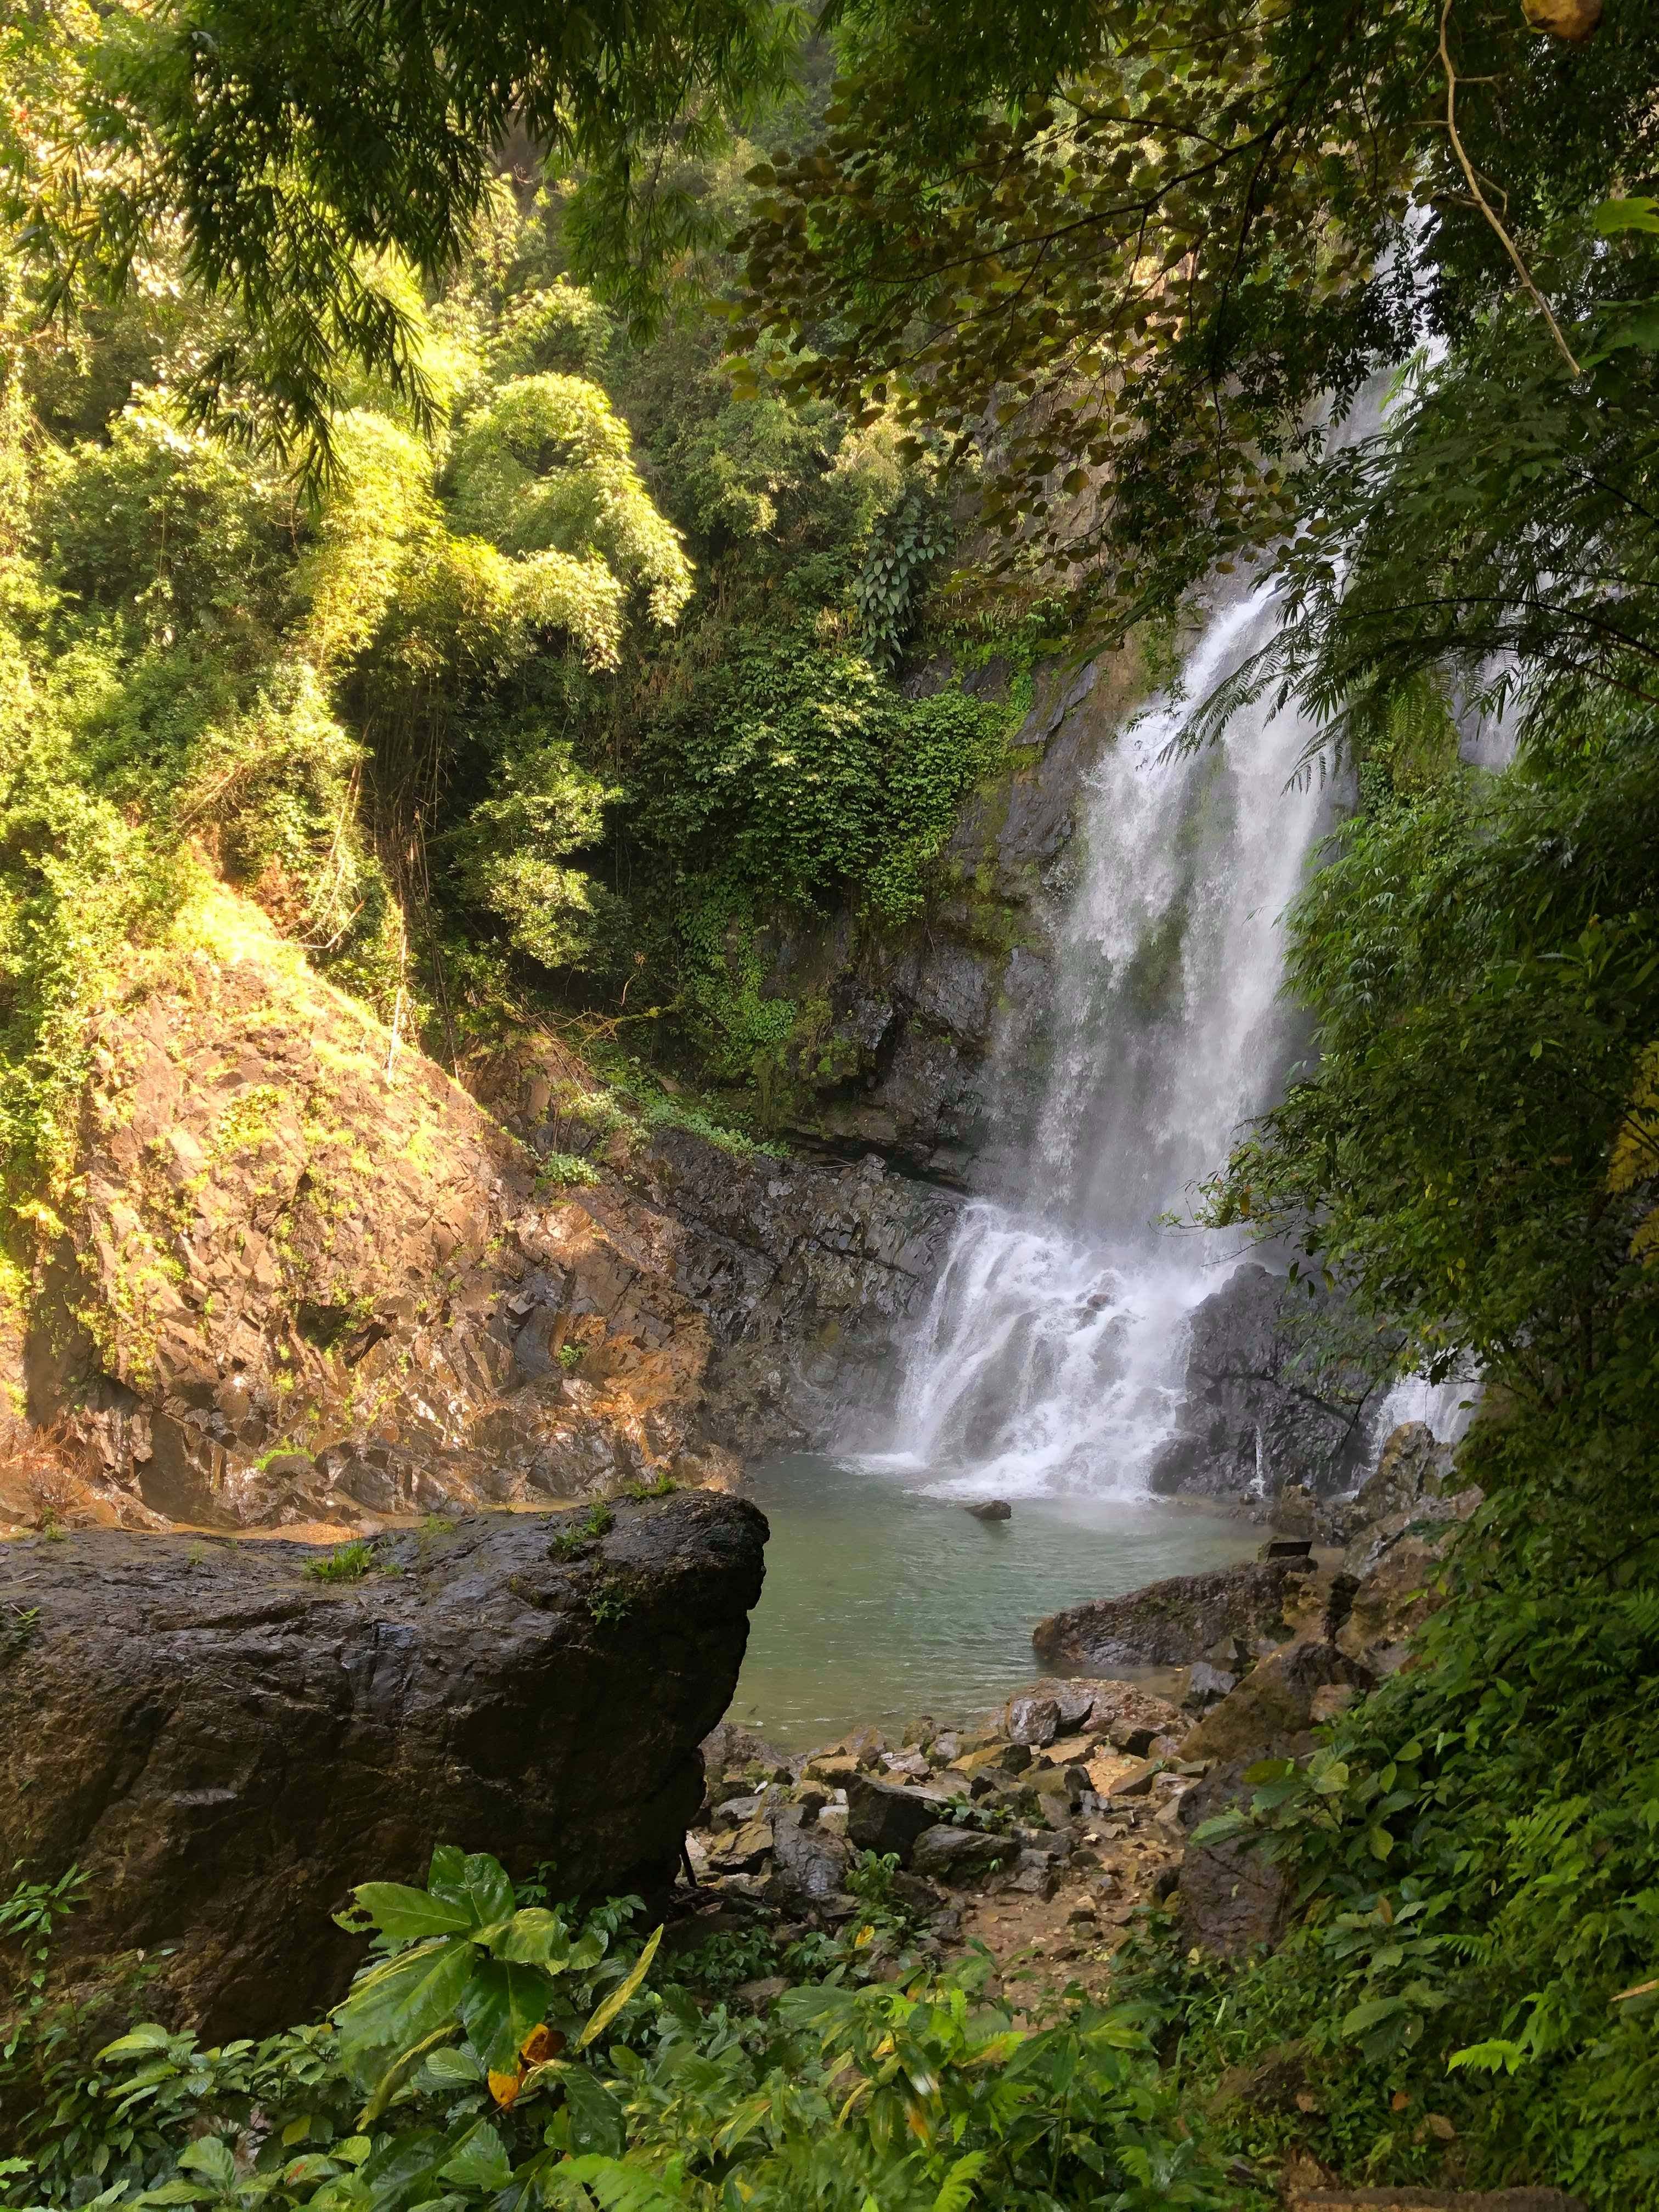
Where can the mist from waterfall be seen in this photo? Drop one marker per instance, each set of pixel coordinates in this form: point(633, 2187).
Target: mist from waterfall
point(1050, 1357)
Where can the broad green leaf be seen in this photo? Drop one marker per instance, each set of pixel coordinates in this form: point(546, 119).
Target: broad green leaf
point(480, 2162)
point(211, 2157)
point(534, 1938)
point(500, 2006)
point(597, 2121)
point(149, 2037)
point(401, 2002)
point(1614, 216)
point(476, 1882)
point(1223, 1826)
point(315, 2166)
point(454, 2067)
point(619, 1996)
point(408, 1915)
point(587, 1954)
point(1368, 2014)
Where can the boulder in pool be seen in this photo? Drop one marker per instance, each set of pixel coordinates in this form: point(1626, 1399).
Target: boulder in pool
point(1177, 1621)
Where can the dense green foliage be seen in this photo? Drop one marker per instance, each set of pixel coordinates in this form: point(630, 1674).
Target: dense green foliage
point(1475, 1844)
point(559, 687)
point(494, 2051)
point(1118, 253)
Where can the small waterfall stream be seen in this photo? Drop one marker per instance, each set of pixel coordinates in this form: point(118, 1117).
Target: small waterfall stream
point(1049, 1360)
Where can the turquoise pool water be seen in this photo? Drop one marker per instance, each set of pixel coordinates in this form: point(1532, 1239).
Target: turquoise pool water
point(882, 1603)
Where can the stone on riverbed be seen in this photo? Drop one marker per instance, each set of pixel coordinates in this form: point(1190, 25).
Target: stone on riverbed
point(225, 1744)
point(808, 1861)
point(991, 1509)
point(958, 1855)
point(883, 1817)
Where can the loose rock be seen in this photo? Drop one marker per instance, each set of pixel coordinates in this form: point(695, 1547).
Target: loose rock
point(956, 1855)
point(883, 1817)
point(1231, 1897)
point(1271, 1711)
point(809, 1860)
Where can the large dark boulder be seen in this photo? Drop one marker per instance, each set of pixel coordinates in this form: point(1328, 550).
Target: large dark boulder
point(1174, 1622)
point(1273, 1710)
point(225, 1744)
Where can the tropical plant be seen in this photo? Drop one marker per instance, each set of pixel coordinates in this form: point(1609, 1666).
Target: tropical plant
point(495, 2052)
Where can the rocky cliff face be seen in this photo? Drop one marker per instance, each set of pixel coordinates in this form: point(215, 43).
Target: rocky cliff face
point(897, 1028)
point(803, 1273)
point(302, 1273)
point(1278, 1392)
point(224, 1744)
point(302, 1276)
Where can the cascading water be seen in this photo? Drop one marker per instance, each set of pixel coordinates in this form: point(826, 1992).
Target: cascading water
point(1049, 1358)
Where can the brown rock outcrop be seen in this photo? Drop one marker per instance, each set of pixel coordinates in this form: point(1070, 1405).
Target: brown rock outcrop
point(304, 1275)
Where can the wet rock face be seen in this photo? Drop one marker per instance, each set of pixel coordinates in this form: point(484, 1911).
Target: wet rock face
point(1176, 1622)
point(1268, 1400)
point(1231, 1896)
point(803, 1273)
point(225, 1744)
point(1411, 1465)
point(1272, 1712)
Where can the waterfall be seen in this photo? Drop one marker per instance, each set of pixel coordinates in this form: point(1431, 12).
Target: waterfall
point(1050, 1357)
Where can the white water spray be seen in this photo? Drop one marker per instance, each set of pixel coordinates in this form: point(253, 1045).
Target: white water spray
point(1050, 1358)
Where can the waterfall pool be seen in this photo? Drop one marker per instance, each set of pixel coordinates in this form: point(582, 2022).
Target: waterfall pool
point(882, 1603)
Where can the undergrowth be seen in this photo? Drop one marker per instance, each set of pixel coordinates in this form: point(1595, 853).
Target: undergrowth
point(497, 2053)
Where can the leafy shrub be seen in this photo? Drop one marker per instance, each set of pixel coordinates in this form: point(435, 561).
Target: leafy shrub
point(562, 1170)
point(575, 1537)
point(495, 2053)
point(1478, 1848)
point(544, 465)
point(346, 1563)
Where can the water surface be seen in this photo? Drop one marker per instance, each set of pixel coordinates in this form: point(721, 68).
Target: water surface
point(882, 1603)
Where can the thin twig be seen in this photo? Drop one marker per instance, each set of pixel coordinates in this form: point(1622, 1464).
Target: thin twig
point(1481, 202)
